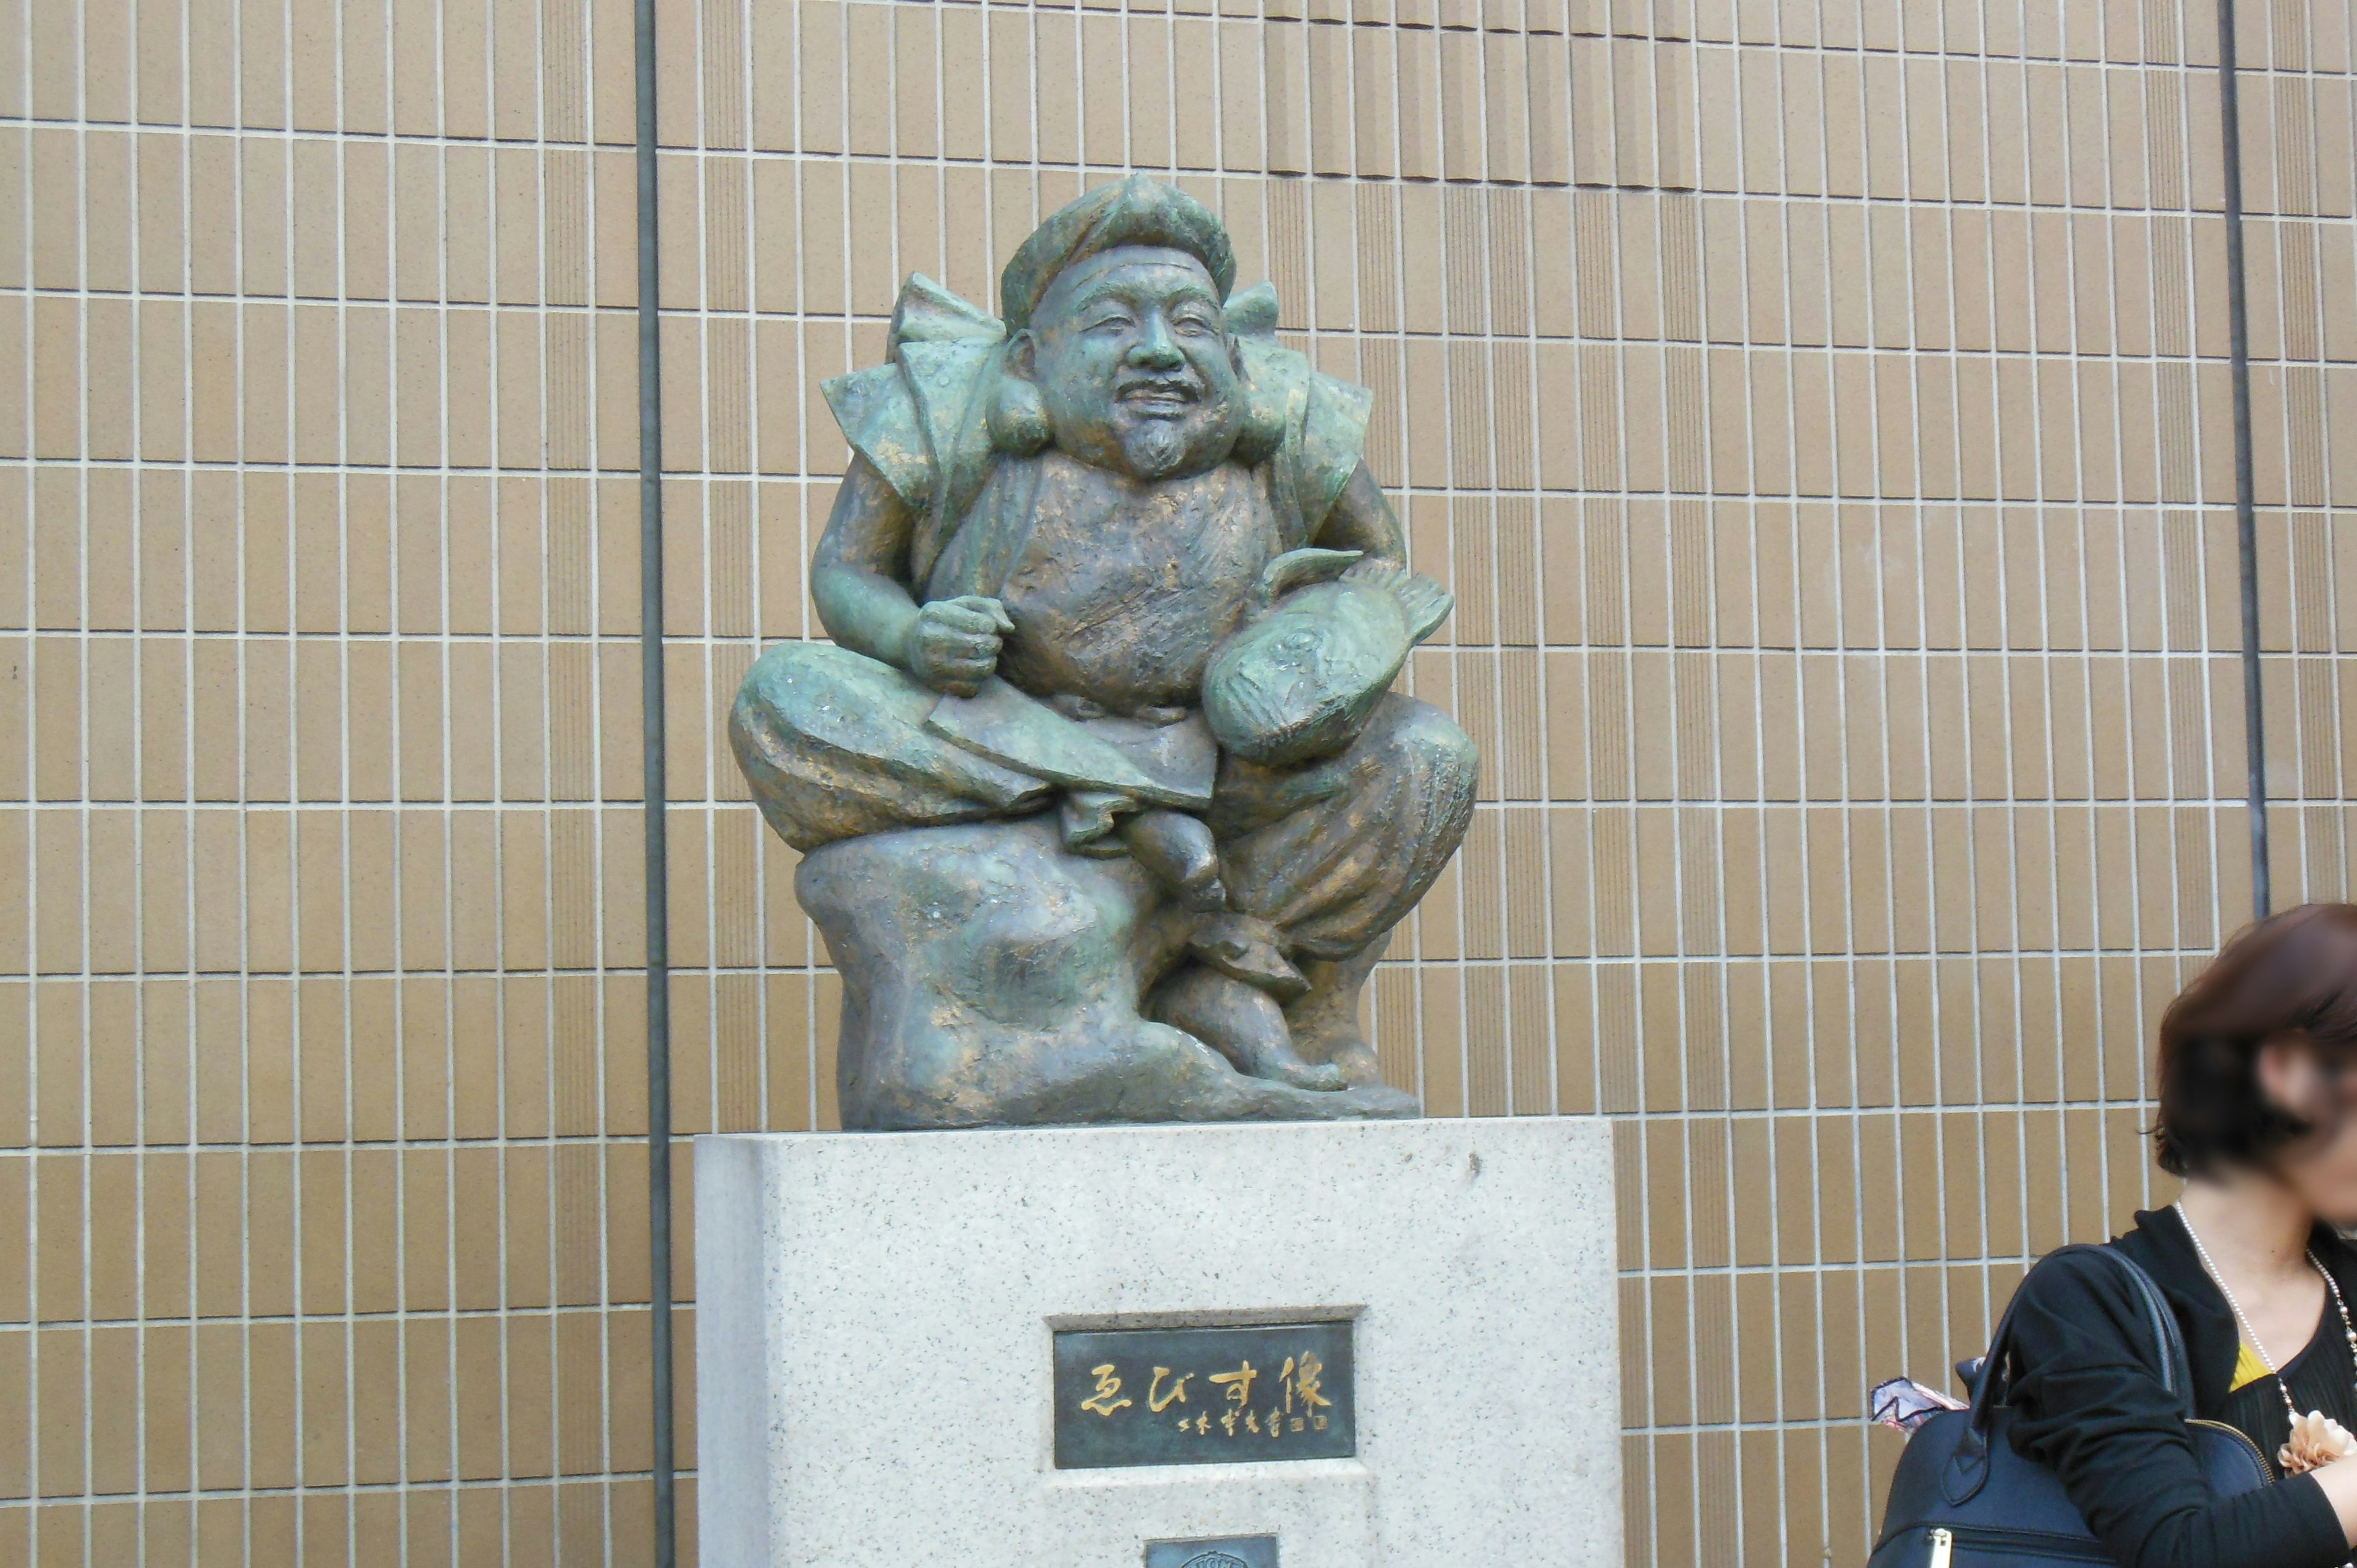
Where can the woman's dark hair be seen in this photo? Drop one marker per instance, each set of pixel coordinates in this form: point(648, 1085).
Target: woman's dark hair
point(2290, 978)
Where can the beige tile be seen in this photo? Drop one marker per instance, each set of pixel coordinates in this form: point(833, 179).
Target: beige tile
point(468, 641)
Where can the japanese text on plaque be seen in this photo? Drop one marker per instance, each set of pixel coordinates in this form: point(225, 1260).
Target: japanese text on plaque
point(1204, 1396)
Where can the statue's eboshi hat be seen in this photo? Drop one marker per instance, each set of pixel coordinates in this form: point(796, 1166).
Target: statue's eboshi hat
point(1133, 211)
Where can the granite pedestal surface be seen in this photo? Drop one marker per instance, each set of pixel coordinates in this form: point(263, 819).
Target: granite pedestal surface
point(877, 1321)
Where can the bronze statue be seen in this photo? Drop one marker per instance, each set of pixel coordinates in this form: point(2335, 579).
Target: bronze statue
point(1107, 808)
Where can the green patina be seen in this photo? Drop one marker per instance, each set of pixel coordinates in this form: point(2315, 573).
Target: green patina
point(1107, 808)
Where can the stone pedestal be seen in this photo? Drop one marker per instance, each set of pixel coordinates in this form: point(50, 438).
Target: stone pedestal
point(878, 1346)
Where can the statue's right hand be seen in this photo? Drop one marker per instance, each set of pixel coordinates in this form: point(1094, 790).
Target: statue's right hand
point(952, 645)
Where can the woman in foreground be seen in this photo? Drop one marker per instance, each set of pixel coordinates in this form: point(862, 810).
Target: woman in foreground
point(2256, 1098)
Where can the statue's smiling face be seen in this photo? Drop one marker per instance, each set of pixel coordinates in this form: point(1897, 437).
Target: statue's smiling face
point(1131, 352)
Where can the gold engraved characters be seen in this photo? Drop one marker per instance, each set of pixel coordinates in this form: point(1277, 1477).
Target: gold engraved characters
point(1158, 1402)
point(1155, 1396)
point(1238, 1382)
point(1106, 1400)
point(1294, 1397)
point(1302, 1382)
point(1239, 1386)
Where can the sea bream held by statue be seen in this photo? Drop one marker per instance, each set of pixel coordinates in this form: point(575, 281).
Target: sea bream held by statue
point(1106, 807)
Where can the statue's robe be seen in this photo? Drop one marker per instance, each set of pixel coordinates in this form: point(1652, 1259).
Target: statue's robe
point(1119, 595)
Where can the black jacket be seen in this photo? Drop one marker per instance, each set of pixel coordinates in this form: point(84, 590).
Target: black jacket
point(2093, 1410)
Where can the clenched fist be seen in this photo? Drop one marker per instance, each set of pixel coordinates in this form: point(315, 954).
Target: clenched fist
point(952, 645)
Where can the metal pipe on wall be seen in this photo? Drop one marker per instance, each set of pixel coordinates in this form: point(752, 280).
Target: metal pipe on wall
point(2246, 537)
point(658, 877)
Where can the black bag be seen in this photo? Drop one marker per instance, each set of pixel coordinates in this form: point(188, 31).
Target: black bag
point(1963, 1499)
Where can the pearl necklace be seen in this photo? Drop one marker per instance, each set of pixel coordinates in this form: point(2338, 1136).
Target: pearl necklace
point(2250, 1337)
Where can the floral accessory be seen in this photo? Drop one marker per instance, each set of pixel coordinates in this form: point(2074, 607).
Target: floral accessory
point(2316, 1438)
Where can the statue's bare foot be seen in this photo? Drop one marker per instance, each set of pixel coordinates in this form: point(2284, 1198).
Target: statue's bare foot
point(1241, 1022)
point(1355, 1060)
point(1324, 1024)
point(1177, 849)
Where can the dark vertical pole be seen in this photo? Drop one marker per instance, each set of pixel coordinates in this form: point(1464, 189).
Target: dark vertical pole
point(2246, 535)
point(651, 700)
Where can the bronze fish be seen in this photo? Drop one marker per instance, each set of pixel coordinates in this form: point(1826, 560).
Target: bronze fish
point(1298, 681)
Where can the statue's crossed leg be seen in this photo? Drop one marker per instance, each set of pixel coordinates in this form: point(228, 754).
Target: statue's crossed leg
point(992, 976)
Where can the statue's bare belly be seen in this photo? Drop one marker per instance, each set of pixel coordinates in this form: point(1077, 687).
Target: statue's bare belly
point(1122, 590)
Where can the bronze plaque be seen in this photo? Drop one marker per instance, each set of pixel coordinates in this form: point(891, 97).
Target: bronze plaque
point(1234, 1551)
point(1204, 1396)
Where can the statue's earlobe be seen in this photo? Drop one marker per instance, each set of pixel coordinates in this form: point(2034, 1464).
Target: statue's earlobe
point(1263, 423)
point(1022, 353)
point(1016, 417)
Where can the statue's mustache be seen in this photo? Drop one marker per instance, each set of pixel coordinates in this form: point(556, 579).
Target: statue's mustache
point(1179, 386)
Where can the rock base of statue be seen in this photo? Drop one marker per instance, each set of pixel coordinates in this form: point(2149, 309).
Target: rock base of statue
point(1199, 1347)
point(990, 978)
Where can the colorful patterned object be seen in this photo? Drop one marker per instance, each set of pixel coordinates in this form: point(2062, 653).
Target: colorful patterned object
point(1903, 1405)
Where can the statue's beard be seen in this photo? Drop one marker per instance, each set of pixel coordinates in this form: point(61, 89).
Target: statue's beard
point(1150, 426)
point(1155, 448)
point(1163, 445)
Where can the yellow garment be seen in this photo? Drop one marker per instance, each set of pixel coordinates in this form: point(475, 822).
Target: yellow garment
point(2248, 1367)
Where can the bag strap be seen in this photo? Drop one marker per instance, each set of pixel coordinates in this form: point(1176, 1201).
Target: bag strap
point(2176, 1366)
point(1968, 1466)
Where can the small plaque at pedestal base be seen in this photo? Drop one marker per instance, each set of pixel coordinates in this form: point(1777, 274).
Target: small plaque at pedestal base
point(1234, 1551)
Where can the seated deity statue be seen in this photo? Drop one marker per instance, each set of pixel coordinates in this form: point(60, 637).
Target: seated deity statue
point(1106, 805)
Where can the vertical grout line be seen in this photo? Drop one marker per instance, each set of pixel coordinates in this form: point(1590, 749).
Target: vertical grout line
point(183, 192)
point(33, 1161)
point(2080, 263)
point(400, 630)
point(756, 485)
point(2246, 547)
point(237, 475)
point(496, 510)
point(1462, 296)
point(1421, 1089)
point(1841, 499)
point(2054, 876)
point(1777, 1262)
point(651, 693)
point(339, 644)
point(1551, 1023)
point(339, 439)
point(596, 788)
point(1639, 1113)
point(1656, 208)
point(546, 169)
point(1710, 650)
point(140, 697)
point(1810, 1110)
point(803, 610)
point(86, 1140)
point(2000, 652)
point(739, 402)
